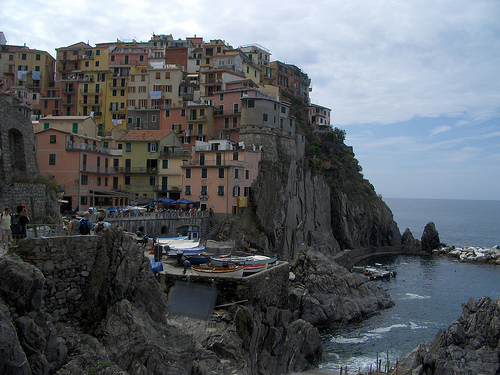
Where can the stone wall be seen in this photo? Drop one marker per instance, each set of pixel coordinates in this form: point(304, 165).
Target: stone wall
point(66, 263)
point(25, 193)
point(267, 288)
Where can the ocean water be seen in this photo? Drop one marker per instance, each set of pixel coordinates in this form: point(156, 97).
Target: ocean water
point(428, 290)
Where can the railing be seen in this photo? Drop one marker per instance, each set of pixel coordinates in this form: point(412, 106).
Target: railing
point(148, 170)
point(84, 146)
point(162, 215)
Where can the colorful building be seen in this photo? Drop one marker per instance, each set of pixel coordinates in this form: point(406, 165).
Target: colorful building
point(220, 175)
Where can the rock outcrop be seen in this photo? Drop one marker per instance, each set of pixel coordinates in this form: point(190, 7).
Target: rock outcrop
point(410, 245)
point(120, 326)
point(325, 294)
point(470, 345)
point(430, 238)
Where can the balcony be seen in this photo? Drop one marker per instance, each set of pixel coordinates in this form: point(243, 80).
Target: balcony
point(89, 102)
point(96, 170)
point(68, 103)
point(139, 170)
point(230, 112)
point(90, 91)
point(169, 154)
point(85, 147)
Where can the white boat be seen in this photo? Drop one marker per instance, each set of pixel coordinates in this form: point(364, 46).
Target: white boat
point(230, 271)
point(251, 259)
point(254, 268)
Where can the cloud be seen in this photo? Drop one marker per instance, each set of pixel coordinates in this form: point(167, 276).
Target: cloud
point(440, 129)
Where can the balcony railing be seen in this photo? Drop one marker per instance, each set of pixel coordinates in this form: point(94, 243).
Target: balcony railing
point(86, 147)
point(169, 154)
point(139, 170)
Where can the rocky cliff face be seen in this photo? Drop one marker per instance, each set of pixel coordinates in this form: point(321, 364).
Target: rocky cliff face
point(120, 326)
point(470, 345)
point(325, 294)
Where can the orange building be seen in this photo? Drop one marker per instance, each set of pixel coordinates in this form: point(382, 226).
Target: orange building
point(220, 175)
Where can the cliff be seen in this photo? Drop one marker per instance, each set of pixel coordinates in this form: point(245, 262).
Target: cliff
point(91, 304)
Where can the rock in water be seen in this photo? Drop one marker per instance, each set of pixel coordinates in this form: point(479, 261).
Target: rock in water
point(325, 293)
point(409, 244)
point(470, 345)
point(430, 238)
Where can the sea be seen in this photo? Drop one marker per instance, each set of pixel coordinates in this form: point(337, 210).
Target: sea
point(428, 291)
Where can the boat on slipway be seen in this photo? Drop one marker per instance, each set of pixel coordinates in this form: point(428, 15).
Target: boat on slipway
point(213, 271)
point(246, 260)
point(250, 269)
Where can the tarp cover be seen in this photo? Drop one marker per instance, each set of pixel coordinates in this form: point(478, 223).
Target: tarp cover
point(193, 300)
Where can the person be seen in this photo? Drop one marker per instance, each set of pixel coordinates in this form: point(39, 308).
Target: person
point(85, 225)
point(18, 224)
point(5, 227)
point(73, 226)
point(100, 224)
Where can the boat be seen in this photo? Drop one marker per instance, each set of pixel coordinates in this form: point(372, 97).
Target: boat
point(229, 271)
point(197, 259)
point(254, 268)
point(377, 273)
point(175, 252)
point(252, 259)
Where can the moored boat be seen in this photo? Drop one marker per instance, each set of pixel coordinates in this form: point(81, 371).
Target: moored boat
point(229, 271)
point(252, 259)
point(254, 268)
point(196, 259)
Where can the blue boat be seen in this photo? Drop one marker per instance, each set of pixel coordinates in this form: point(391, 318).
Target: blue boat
point(196, 259)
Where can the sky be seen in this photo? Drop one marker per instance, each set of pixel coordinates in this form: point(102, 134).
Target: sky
point(415, 84)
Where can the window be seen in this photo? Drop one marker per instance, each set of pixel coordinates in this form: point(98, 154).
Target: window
point(105, 144)
point(188, 190)
point(226, 122)
point(45, 125)
point(167, 113)
point(204, 172)
point(251, 103)
point(235, 122)
point(83, 200)
point(152, 180)
point(23, 56)
point(236, 191)
point(220, 190)
point(247, 174)
point(37, 57)
point(246, 191)
point(75, 127)
point(97, 52)
point(128, 146)
point(264, 117)
point(52, 159)
point(188, 172)
point(112, 57)
point(122, 92)
point(98, 180)
point(221, 172)
point(202, 159)
point(114, 93)
point(218, 159)
point(236, 173)
point(235, 155)
point(152, 147)
point(85, 179)
point(221, 97)
point(183, 112)
point(52, 138)
point(141, 57)
point(105, 181)
point(164, 164)
point(203, 190)
point(127, 180)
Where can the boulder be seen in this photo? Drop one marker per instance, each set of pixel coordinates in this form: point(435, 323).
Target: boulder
point(430, 238)
point(324, 293)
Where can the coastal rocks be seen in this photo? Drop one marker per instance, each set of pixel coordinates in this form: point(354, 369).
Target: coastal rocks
point(469, 346)
point(324, 293)
point(409, 245)
point(119, 325)
point(472, 254)
point(430, 238)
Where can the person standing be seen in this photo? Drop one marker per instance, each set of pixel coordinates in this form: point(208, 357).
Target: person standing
point(18, 224)
point(100, 225)
point(5, 227)
point(73, 226)
point(85, 225)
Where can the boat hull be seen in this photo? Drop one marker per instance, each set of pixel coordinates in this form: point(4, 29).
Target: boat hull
point(236, 271)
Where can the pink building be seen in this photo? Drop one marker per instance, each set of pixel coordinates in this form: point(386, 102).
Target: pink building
point(220, 175)
point(80, 167)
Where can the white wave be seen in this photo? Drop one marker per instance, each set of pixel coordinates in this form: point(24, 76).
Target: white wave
point(416, 326)
point(415, 296)
point(349, 340)
point(382, 330)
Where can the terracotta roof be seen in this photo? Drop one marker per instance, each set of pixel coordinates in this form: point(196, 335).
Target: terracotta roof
point(145, 135)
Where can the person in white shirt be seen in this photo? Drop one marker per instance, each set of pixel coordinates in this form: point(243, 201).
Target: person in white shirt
point(5, 227)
